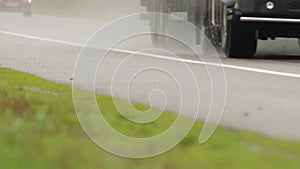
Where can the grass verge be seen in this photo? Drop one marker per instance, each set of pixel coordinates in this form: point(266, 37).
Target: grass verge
point(39, 129)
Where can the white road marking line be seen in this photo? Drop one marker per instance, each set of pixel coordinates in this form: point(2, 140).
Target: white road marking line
point(40, 39)
point(248, 69)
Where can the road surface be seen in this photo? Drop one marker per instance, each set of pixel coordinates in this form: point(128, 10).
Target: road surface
point(263, 94)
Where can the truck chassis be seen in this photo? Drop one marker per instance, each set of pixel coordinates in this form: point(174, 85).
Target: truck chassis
point(235, 25)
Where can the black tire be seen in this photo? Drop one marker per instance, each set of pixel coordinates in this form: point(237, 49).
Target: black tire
point(238, 39)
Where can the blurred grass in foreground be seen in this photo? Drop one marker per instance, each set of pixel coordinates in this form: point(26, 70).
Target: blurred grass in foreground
point(39, 129)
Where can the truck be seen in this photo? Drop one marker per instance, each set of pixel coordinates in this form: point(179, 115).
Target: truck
point(23, 6)
point(234, 25)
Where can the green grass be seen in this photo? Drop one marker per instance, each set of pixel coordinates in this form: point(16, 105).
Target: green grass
point(39, 129)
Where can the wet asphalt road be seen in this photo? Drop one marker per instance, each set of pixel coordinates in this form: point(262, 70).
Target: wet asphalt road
point(259, 102)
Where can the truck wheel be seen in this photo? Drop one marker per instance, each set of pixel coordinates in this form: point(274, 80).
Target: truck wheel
point(238, 39)
point(299, 43)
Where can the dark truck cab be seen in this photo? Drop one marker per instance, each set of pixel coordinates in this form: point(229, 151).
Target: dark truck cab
point(246, 21)
point(236, 25)
point(280, 8)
